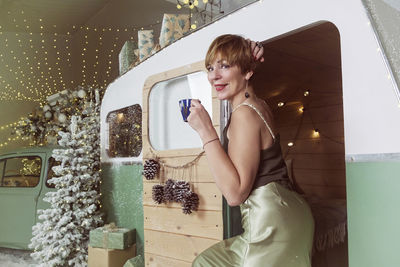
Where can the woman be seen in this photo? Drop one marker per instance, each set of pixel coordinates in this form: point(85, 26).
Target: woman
point(250, 171)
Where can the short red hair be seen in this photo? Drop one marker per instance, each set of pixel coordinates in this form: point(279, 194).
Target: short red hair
point(234, 49)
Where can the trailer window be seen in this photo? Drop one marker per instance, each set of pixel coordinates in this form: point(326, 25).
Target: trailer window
point(124, 132)
point(50, 172)
point(167, 130)
point(21, 171)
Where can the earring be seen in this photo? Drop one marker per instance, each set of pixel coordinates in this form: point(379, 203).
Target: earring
point(246, 94)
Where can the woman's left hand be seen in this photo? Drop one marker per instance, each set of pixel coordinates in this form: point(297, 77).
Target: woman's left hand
point(200, 121)
point(257, 50)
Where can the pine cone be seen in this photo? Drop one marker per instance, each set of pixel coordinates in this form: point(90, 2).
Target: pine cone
point(158, 193)
point(181, 188)
point(169, 190)
point(186, 209)
point(150, 169)
point(190, 202)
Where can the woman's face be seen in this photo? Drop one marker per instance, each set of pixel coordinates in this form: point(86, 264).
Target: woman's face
point(227, 80)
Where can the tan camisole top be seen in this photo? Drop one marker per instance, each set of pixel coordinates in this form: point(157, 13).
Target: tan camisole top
point(272, 167)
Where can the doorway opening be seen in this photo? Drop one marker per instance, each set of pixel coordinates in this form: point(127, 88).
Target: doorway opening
point(301, 80)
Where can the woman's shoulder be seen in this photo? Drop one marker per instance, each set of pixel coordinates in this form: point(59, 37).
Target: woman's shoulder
point(244, 129)
point(245, 118)
point(254, 109)
point(245, 111)
point(254, 114)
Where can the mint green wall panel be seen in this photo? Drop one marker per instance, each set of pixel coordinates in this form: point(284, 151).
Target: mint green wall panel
point(122, 190)
point(373, 203)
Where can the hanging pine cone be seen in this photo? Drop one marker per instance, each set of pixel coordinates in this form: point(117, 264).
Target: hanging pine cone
point(169, 190)
point(150, 169)
point(181, 188)
point(190, 202)
point(158, 193)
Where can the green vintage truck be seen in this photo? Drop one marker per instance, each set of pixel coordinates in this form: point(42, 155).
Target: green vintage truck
point(23, 184)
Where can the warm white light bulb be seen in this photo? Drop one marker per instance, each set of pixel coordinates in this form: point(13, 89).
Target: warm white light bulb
point(281, 104)
point(290, 144)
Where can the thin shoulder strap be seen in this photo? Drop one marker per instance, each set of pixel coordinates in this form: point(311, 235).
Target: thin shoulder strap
point(259, 113)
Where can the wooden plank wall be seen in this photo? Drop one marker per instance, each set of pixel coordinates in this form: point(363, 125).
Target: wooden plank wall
point(318, 160)
point(171, 237)
point(308, 59)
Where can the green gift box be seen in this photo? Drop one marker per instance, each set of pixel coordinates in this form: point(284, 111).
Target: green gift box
point(145, 43)
point(111, 237)
point(173, 27)
point(127, 56)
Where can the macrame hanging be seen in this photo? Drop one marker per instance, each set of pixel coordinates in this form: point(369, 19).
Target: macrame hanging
point(177, 172)
point(179, 191)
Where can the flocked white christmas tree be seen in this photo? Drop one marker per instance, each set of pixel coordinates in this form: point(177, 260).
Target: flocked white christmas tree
point(61, 236)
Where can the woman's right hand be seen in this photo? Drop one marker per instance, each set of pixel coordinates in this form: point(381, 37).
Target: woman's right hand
point(200, 121)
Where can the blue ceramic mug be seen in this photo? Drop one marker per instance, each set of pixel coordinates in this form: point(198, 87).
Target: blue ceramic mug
point(184, 105)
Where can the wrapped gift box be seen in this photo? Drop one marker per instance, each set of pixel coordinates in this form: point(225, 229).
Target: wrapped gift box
point(112, 237)
point(145, 43)
point(102, 257)
point(134, 262)
point(127, 56)
point(137, 61)
point(173, 27)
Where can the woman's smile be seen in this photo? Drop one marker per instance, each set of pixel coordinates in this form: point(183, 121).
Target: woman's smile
point(220, 87)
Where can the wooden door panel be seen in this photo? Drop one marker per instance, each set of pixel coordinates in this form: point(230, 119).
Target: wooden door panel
point(171, 237)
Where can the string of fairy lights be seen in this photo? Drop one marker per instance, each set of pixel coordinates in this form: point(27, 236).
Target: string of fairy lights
point(304, 109)
point(38, 63)
point(33, 56)
point(15, 138)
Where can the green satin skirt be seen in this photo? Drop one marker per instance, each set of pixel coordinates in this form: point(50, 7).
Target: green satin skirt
point(278, 232)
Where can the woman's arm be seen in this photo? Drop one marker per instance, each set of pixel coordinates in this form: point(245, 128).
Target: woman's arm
point(234, 173)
